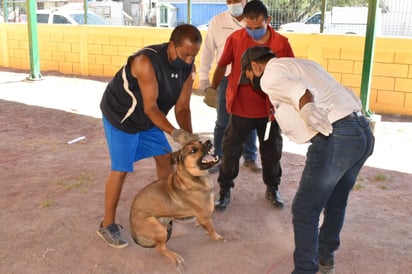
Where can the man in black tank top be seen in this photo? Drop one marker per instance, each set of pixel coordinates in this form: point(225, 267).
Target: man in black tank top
point(134, 107)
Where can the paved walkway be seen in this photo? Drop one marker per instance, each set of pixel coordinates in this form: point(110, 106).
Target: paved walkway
point(393, 139)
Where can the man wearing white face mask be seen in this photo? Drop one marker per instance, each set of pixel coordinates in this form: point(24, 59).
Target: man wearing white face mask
point(220, 27)
point(249, 109)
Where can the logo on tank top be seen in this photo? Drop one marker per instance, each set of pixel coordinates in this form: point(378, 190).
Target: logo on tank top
point(174, 75)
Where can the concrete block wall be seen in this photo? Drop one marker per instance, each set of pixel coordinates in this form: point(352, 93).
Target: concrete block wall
point(102, 50)
point(342, 56)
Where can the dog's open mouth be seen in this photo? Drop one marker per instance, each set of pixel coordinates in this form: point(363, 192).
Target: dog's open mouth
point(209, 159)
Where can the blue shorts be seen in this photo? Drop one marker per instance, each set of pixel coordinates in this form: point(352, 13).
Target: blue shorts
point(126, 148)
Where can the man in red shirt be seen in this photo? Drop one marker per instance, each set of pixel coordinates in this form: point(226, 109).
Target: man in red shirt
point(248, 108)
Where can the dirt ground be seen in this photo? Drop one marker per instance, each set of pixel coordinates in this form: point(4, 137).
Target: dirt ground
point(52, 203)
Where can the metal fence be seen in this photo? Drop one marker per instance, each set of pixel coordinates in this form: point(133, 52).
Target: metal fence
point(394, 17)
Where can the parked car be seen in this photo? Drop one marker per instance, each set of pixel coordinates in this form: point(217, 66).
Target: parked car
point(341, 20)
point(67, 16)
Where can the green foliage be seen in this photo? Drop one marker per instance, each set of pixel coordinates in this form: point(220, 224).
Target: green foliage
point(381, 178)
point(358, 186)
point(383, 187)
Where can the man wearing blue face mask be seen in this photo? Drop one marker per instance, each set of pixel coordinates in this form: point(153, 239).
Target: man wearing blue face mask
point(219, 29)
point(249, 109)
point(134, 106)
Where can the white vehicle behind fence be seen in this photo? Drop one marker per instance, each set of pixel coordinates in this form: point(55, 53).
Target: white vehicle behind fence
point(68, 16)
point(341, 20)
point(112, 12)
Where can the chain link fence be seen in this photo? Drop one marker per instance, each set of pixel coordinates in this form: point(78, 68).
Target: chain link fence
point(394, 17)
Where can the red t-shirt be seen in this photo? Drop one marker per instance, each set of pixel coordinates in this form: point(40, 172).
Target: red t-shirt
point(243, 100)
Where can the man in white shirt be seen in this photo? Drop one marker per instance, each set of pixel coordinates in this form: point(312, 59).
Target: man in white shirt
point(220, 27)
point(311, 106)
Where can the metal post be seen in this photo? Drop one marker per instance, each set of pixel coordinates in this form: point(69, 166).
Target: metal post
point(5, 11)
point(33, 42)
point(322, 16)
point(368, 57)
point(86, 6)
point(189, 11)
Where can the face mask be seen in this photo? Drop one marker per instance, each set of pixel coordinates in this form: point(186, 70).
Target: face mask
point(235, 9)
point(179, 64)
point(256, 83)
point(256, 34)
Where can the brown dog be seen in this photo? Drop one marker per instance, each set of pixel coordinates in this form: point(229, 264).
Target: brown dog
point(187, 193)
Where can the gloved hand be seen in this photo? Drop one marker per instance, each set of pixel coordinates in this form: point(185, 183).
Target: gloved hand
point(316, 118)
point(203, 84)
point(210, 98)
point(181, 136)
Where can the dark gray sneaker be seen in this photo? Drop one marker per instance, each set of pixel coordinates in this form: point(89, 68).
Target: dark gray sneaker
point(326, 266)
point(326, 269)
point(111, 235)
point(252, 166)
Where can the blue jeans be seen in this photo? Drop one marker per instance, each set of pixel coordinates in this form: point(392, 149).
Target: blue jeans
point(332, 166)
point(249, 148)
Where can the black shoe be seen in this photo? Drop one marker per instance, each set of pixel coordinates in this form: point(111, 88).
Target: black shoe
point(273, 195)
point(223, 200)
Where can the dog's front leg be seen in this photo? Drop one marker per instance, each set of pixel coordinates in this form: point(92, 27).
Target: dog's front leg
point(173, 256)
point(206, 223)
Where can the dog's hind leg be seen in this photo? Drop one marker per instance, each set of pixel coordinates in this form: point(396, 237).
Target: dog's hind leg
point(160, 231)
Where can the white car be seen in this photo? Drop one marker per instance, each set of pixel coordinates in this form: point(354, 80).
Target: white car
point(341, 20)
point(311, 25)
point(69, 16)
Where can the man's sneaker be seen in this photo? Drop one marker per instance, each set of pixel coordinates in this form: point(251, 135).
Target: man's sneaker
point(253, 166)
point(111, 235)
point(326, 269)
point(326, 266)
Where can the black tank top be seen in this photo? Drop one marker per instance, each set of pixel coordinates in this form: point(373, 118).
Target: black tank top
point(122, 103)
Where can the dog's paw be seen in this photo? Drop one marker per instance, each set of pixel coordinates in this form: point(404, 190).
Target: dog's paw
point(217, 237)
point(175, 257)
point(179, 260)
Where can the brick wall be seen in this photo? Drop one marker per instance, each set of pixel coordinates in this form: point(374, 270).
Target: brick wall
point(101, 51)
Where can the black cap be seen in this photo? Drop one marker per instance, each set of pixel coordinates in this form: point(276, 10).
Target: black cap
point(253, 54)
